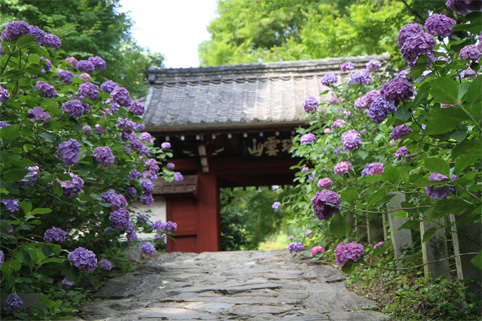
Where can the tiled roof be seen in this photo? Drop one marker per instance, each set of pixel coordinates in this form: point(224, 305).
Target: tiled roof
point(237, 95)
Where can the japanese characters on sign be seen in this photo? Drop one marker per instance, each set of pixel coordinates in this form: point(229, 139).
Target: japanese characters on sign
point(267, 146)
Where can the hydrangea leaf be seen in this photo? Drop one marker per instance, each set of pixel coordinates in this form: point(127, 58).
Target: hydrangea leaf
point(403, 113)
point(338, 225)
point(477, 260)
point(427, 235)
point(437, 165)
point(472, 93)
point(9, 132)
point(444, 90)
point(443, 120)
point(465, 161)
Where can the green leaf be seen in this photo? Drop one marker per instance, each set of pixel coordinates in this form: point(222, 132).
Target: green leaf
point(437, 165)
point(465, 161)
point(14, 175)
point(47, 250)
point(443, 120)
point(377, 196)
point(391, 174)
point(71, 273)
point(402, 214)
point(410, 225)
point(473, 92)
point(26, 207)
point(444, 90)
point(362, 153)
point(57, 188)
point(48, 137)
point(349, 195)
point(41, 211)
point(477, 260)
point(338, 225)
point(458, 134)
point(64, 177)
point(10, 132)
point(467, 147)
point(427, 235)
point(403, 113)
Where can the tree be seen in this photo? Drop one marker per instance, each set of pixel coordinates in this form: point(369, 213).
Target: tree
point(89, 28)
point(260, 31)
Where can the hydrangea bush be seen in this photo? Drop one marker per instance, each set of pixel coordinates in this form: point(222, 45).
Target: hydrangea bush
point(66, 190)
point(416, 131)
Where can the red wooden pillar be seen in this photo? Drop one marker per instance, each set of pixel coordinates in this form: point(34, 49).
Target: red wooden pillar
point(209, 229)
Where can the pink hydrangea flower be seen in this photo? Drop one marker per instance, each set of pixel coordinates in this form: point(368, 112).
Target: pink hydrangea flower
point(324, 182)
point(317, 250)
point(342, 168)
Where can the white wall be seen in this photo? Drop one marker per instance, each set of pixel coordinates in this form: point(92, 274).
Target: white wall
point(158, 212)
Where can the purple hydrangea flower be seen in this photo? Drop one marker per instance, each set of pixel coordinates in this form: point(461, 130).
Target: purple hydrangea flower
point(296, 247)
point(39, 114)
point(324, 182)
point(74, 108)
point(470, 52)
point(351, 140)
point(14, 30)
point(48, 67)
point(312, 176)
point(37, 33)
point(291, 237)
point(120, 218)
point(160, 238)
point(373, 65)
point(379, 109)
point(147, 248)
point(402, 151)
point(105, 264)
point(347, 66)
point(146, 185)
point(400, 131)
point(170, 226)
point(67, 282)
point(113, 198)
point(86, 129)
point(338, 123)
point(329, 79)
point(104, 156)
point(408, 31)
point(52, 41)
point(85, 65)
point(136, 108)
point(178, 177)
point(310, 104)
point(147, 198)
point(2, 257)
point(99, 63)
point(166, 145)
point(131, 237)
point(89, 90)
point(308, 233)
point(333, 100)
point(65, 75)
point(108, 86)
point(463, 7)
point(378, 244)
point(307, 139)
point(276, 206)
point(134, 174)
point(366, 100)
point(145, 136)
point(85, 77)
point(325, 203)
point(439, 25)
point(348, 251)
point(158, 226)
point(139, 126)
point(150, 167)
point(69, 152)
point(372, 169)
point(13, 301)
point(72, 187)
point(46, 89)
point(437, 192)
point(4, 95)
point(342, 168)
point(11, 205)
point(466, 72)
point(397, 89)
point(83, 259)
point(360, 77)
point(131, 191)
point(418, 44)
point(170, 165)
point(72, 61)
point(55, 234)
point(31, 176)
point(121, 96)
point(99, 129)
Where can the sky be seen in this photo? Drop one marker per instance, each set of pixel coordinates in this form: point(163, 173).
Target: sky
point(174, 28)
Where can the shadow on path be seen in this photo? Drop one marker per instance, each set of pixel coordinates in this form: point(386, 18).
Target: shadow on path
point(251, 285)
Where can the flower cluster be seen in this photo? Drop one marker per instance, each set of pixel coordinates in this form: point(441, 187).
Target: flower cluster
point(73, 187)
point(351, 140)
point(317, 250)
point(11, 205)
point(120, 218)
point(380, 108)
point(13, 301)
point(346, 66)
point(85, 65)
point(373, 65)
point(348, 251)
point(55, 234)
point(39, 114)
point(276, 206)
point(324, 182)
point(147, 248)
point(98, 62)
point(310, 104)
point(104, 156)
point(342, 168)
point(400, 131)
point(397, 89)
point(470, 52)
point(74, 108)
point(439, 25)
point(437, 192)
point(463, 7)
point(83, 259)
point(4, 95)
point(121, 96)
point(372, 169)
point(296, 247)
point(360, 77)
point(402, 151)
point(68, 152)
point(46, 89)
point(105, 264)
point(367, 99)
point(329, 79)
point(178, 177)
point(325, 203)
point(307, 139)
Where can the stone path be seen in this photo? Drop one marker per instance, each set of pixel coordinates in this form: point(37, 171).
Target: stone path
point(253, 285)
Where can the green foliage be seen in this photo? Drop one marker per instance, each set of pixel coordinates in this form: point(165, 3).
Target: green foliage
point(90, 28)
point(248, 31)
point(247, 216)
point(32, 263)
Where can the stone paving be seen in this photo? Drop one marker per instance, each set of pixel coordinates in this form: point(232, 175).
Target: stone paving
point(251, 285)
